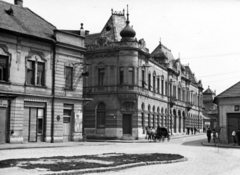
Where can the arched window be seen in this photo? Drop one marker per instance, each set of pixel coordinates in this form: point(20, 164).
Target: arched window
point(101, 115)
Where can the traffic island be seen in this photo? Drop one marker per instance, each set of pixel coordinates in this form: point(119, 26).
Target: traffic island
point(90, 163)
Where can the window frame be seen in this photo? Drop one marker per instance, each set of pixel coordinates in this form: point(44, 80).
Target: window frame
point(67, 78)
point(101, 76)
point(4, 77)
point(36, 60)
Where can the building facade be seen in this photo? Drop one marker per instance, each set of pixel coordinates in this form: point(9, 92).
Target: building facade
point(228, 103)
point(40, 78)
point(210, 111)
point(134, 89)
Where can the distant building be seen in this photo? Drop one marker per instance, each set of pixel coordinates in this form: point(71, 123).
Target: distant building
point(229, 112)
point(210, 111)
point(134, 89)
point(40, 78)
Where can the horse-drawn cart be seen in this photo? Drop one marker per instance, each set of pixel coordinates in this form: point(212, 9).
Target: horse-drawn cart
point(160, 134)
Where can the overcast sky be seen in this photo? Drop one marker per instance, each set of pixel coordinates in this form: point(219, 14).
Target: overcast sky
point(206, 33)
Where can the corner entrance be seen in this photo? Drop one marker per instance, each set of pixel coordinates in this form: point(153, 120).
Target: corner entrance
point(127, 124)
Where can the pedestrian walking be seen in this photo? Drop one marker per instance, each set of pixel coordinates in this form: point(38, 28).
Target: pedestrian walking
point(209, 132)
point(238, 136)
point(195, 130)
point(234, 137)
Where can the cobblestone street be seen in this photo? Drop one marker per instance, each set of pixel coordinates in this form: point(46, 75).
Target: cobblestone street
point(201, 159)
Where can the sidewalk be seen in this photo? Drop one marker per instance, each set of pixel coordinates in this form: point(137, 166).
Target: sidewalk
point(8, 146)
point(221, 145)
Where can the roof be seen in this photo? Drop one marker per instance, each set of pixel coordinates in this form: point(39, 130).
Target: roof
point(111, 29)
point(233, 91)
point(191, 75)
point(208, 91)
point(24, 21)
point(161, 51)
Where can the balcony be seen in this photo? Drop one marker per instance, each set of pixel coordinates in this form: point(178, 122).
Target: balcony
point(172, 101)
point(189, 106)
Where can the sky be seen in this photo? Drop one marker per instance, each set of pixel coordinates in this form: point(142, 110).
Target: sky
point(204, 34)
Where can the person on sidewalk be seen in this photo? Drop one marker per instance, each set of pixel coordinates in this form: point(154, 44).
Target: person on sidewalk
point(234, 137)
point(209, 132)
point(238, 136)
point(195, 130)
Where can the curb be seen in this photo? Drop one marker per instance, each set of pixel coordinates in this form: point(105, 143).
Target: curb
point(120, 167)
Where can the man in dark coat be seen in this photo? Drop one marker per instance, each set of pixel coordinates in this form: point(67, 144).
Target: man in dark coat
point(238, 136)
point(209, 132)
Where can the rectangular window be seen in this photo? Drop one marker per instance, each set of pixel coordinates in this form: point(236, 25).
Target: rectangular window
point(174, 91)
point(31, 72)
point(68, 77)
point(166, 88)
point(158, 85)
point(101, 73)
point(149, 81)
point(162, 88)
point(154, 82)
point(143, 78)
point(183, 95)
point(40, 74)
point(121, 75)
point(179, 93)
point(3, 68)
point(130, 76)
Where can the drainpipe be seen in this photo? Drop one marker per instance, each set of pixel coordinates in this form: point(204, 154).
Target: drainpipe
point(53, 93)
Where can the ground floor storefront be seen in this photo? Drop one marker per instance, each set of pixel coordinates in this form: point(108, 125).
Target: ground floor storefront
point(25, 119)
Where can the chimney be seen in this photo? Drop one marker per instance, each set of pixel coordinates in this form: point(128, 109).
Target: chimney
point(18, 3)
point(82, 31)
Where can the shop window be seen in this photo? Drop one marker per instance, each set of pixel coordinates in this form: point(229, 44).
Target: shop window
point(68, 77)
point(101, 74)
point(3, 68)
point(101, 115)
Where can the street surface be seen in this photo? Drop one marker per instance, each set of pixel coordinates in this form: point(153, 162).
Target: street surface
point(202, 160)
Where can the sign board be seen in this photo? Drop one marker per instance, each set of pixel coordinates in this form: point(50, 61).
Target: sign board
point(236, 107)
point(78, 122)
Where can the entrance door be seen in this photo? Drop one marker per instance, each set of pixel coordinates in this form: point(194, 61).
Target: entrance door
point(33, 124)
point(127, 124)
point(233, 123)
point(3, 125)
point(67, 124)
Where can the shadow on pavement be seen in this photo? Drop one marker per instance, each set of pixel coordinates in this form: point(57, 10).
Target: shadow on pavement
point(194, 142)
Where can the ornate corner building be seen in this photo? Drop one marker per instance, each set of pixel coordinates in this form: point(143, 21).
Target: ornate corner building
point(133, 89)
